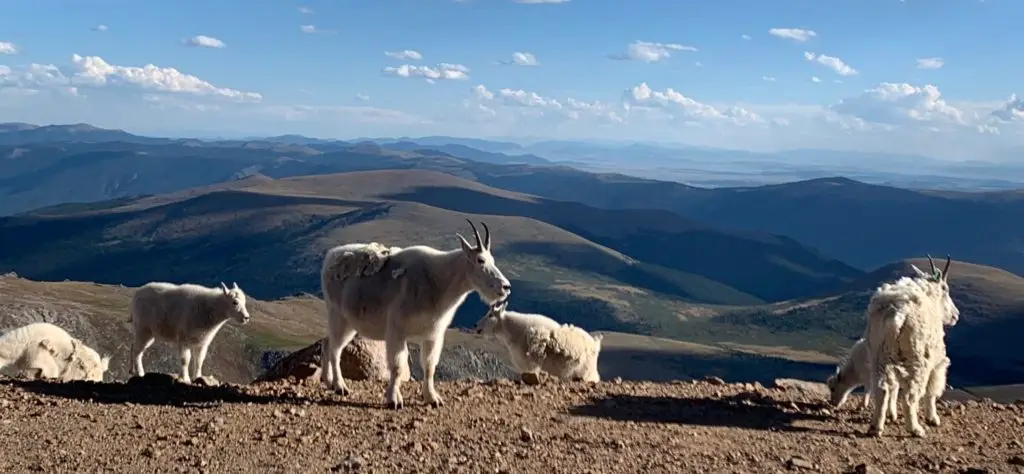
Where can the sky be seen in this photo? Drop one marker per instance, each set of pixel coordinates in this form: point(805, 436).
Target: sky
point(932, 77)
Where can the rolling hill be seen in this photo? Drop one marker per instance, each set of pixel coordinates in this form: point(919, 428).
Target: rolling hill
point(97, 314)
point(270, 235)
point(862, 224)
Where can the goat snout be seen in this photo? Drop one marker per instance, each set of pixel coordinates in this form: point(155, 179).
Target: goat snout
point(507, 287)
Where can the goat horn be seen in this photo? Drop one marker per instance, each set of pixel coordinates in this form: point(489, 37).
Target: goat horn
point(931, 262)
point(476, 234)
point(487, 236)
point(945, 271)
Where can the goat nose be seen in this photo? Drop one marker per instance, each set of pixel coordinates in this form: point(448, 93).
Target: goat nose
point(506, 286)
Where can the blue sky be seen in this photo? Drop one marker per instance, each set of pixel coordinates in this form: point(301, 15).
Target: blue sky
point(766, 74)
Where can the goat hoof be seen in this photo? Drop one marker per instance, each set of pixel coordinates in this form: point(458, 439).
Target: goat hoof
point(437, 403)
point(395, 405)
point(918, 432)
point(933, 421)
point(342, 391)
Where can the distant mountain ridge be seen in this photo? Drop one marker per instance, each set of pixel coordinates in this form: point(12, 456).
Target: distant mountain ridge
point(865, 225)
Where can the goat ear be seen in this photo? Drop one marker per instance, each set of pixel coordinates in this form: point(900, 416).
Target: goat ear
point(464, 243)
point(918, 271)
point(598, 338)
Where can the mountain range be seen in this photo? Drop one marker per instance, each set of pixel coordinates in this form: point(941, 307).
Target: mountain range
point(767, 267)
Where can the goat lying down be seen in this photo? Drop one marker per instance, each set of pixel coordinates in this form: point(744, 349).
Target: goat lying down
point(48, 351)
point(538, 343)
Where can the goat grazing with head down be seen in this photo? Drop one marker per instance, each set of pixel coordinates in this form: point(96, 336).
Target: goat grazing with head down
point(413, 297)
point(906, 323)
point(852, 372)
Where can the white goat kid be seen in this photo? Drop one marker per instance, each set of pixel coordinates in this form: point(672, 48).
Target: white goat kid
point(852, 372)
point(187, 315)
point(906, 323)
point(412, 298)
point(50, 352)
point(536, 342)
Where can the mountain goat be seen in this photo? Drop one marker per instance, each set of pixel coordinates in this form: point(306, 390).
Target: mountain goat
point(852, 372)
point(188, 315)
point(907, 347)
point(536, 342)
point(52, 352)
point(412, 298)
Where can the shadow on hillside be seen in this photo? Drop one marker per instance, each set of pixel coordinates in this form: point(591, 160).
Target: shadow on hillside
point(746, 410)
point(144, 393)
point(664, 365)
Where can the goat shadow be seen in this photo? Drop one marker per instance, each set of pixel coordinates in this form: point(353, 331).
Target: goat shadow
point(745, 410)
point(154, 389)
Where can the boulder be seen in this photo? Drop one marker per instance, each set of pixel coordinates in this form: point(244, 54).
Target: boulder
point(362, 359)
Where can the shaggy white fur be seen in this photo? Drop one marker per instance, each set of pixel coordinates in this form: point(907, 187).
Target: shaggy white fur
point(49, 351)
point(536, 342)
point(907, 349)
point(187, 315)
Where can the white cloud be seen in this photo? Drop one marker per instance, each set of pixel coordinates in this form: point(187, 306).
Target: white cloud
point(832, 63)
point(362, 97)
point(407, 54)
point(6, 47)
point(306, 10)
point(531, 104)
point(900, 104)
point(99, 28)
point(930, 63)
point(441, 71)
point(521, 59)
point(94, 71)
point(795, 34)
point(746, 37)
point(768, 78)
point(684, 108)
point(309, 29)
point(1011, 110)
point(203, 41)
point(649, 52)
point(815, 79)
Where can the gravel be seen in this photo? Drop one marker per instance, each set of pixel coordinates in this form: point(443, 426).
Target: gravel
point(497, 426)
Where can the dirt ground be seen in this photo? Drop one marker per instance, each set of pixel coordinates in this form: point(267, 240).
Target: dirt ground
point(155, 425)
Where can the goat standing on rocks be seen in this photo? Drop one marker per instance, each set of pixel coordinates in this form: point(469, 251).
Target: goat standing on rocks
point(188, 315)
point(907, 347)
point(413, 297)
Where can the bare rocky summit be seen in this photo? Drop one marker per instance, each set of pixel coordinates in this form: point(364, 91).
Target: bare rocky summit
point(496, 426)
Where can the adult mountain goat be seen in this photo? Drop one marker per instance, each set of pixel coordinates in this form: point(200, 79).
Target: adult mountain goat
point(907, 347)
point(51, 352)
point(187, 315)
point(412, 298)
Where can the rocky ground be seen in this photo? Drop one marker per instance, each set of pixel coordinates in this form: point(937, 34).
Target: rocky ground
point(156, 425)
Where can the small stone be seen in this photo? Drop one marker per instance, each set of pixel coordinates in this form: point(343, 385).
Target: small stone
point(525, 435)
point(532, 378)
point(799, 462)
point(711, 379)
point(865, 469)
point(1016, 460)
